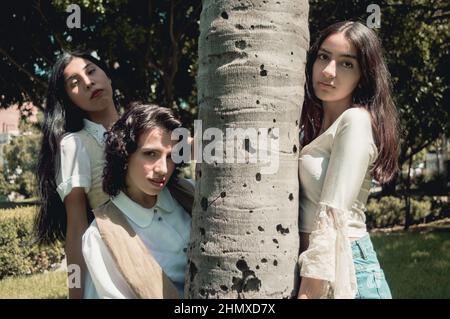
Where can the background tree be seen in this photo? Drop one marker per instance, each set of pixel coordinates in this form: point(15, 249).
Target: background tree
point(244, 239)
point(5, 187)
point(150, 47)
point(20, 162)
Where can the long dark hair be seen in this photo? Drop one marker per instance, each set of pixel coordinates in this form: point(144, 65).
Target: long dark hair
point(123, 138)
point(61, 115)
point(372, 93)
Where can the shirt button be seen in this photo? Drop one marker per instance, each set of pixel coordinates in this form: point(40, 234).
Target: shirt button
point(155, 210)
point(160, 218)
point(185, 249)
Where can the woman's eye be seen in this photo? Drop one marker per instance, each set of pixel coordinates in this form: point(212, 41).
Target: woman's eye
point(347, 65)
point(151, 154)
point(91, 71)
point(322, 56)
point(73, 83)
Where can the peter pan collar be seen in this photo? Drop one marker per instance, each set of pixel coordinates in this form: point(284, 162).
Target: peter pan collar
point(95, 130)
point(142, 216)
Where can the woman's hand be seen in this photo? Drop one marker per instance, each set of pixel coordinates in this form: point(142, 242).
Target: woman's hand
point(311, 288)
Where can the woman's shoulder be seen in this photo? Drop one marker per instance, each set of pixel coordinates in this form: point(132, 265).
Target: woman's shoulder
point(74, 139)
point(71, 138)
point(72, 143)
point(356, 115)
point(357, 119)
point(356, 125)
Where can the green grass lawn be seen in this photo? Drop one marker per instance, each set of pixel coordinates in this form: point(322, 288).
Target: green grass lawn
point(51, 285)
point(416, 264)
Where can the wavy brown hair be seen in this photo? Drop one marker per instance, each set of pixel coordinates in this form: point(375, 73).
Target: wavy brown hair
point(123, 138)
point(373, 93)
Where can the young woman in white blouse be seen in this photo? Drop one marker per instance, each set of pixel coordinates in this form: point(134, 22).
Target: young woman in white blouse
point(137, 245)
point(79, 109)
point(348, 136)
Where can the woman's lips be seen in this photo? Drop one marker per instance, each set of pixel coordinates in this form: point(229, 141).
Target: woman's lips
point(96, 93)
point(157, 182)
point(323, 84)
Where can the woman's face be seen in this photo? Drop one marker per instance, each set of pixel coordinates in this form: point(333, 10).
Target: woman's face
point(150, 166)
point(336, 71)
point(87, 85)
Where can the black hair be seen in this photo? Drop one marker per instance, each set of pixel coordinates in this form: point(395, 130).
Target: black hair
point(61, 116)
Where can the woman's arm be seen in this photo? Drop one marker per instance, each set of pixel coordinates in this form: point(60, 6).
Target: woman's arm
point(77, 223)
point(106, 277)
point(304, 242)
point(328, 259)
point(309, 288)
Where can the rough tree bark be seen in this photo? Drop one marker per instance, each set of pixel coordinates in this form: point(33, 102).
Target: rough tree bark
point(244, 239)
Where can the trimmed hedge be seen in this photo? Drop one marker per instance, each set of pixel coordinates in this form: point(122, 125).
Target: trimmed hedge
point(390, 211)
point(18, 255)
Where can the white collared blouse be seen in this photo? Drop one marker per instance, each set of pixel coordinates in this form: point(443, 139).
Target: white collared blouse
point(165, 231)
point(73, 162)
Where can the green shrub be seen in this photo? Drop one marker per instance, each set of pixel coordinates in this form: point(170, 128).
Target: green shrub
point(441, 207)
point(420, 209)
point(385, 212)
point(390, 211)
point(18, 254)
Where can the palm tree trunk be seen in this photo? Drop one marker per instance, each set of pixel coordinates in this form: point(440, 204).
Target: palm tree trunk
point(244, 239)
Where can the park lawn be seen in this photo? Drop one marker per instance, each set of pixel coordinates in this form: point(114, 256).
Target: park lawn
point(50, 285)
point(416, 264)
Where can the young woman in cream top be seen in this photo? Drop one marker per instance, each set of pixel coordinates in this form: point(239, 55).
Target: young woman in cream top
point(79, 109)
point(348, 136)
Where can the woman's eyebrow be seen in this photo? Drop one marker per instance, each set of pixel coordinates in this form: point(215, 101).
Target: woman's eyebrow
point(74, 75)
point(149, 148)
point(346, 55)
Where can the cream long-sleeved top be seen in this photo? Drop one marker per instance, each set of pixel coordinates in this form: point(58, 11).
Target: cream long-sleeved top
point(335, 179)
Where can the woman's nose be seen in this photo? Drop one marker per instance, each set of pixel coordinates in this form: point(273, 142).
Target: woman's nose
point(88, 82)
point(330, 70)
point(161, 167)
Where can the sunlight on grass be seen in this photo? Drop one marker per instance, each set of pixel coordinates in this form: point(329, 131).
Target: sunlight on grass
point(417, 265)
point(50, 285)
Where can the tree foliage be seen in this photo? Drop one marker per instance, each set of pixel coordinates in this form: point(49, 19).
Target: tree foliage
point(18, 173)
point(150, 47)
